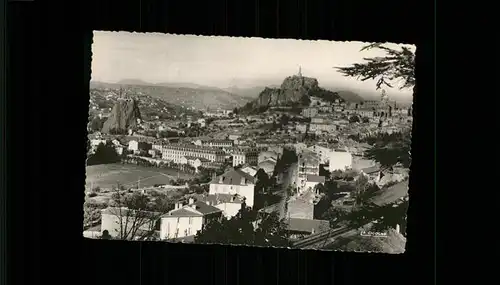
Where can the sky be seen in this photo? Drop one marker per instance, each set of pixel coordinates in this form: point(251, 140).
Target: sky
point(226, 62)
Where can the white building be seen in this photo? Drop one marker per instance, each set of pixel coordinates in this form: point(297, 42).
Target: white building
point(229, 204)
point(185, 221)
point(202, 122)
point(322, 152)
point(133, 145)
point(235, 182)
point(340, 160)
point(177, 152)
point(246, 156)
point(308, 164)
point(250, 170)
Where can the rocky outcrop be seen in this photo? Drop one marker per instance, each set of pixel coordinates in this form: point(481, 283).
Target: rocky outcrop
point(295, 90)
point(123, 117)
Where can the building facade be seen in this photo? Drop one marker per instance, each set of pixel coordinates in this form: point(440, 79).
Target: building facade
point(308, 164)
point(176, 153)
point(185, 221)
point(340, 160)
point(235, 182)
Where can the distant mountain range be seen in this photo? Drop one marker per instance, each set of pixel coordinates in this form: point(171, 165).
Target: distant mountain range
point(184, 94)
point(202, 96)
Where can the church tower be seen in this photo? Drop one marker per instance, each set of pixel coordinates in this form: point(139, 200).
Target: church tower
point(300, 76)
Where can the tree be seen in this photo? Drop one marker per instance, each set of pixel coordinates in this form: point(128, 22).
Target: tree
point(398, 65)
point(391, 154)
point(354, 119)
point(97, 123)
point(240, 230)
point(388, 216)
point(305, 100)
point(359, 194)
point(105, 153)
point(365, 120)
point(263, 182)
point(91, 213)
point(136, 214)
point(288, 158)
point(284, 119)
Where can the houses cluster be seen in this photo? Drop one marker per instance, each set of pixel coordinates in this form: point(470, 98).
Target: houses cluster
point(228, 193)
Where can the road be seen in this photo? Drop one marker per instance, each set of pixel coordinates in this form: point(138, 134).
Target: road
point(289, 178)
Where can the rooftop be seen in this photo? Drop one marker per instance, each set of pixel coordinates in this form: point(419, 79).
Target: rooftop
point(197, 209)
point(391, 194)
point(315, 178)
point(216, 199)
point(234, 177)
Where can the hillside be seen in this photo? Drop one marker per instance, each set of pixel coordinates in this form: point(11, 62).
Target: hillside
point(350, 96)
point(250, 92)
point(103, 99)
point(123, 117)
point(199, 98)
point(295, 91)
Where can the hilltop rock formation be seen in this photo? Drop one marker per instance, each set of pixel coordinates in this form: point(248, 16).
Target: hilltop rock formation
point(123, 117)
point(294, 91)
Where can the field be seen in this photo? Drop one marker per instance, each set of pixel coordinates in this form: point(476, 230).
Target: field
point(106, 176)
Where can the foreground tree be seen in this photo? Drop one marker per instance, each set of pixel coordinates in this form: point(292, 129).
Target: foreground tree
point(105, 153)
point(397, 66)
point(263, 182)
point(392, 153)
point(240, 229)
point(136, 214)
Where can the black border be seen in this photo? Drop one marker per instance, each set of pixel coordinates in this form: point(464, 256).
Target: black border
point(50, 99)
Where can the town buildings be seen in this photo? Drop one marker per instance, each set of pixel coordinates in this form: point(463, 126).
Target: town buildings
point(235, 182)
point(309, 112)
point(248, 156)
point(177, 152)
point(187, 220)
point(308, 164)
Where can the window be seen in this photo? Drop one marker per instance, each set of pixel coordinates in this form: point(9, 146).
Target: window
point(190, 220)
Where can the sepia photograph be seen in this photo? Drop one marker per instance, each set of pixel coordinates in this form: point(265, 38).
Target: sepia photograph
point(249, 141)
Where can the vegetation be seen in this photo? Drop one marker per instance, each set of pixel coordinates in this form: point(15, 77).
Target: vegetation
point(305, 100)
point(240, 230)
point(96, 124)
point(390, 150)
point(288, 158)
point(104, 154)
point(92, 213)
point(398, 65)
point(385, 217)
point(137, 213)
point(354, 119)
point(263, 183)
point(325, 95)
